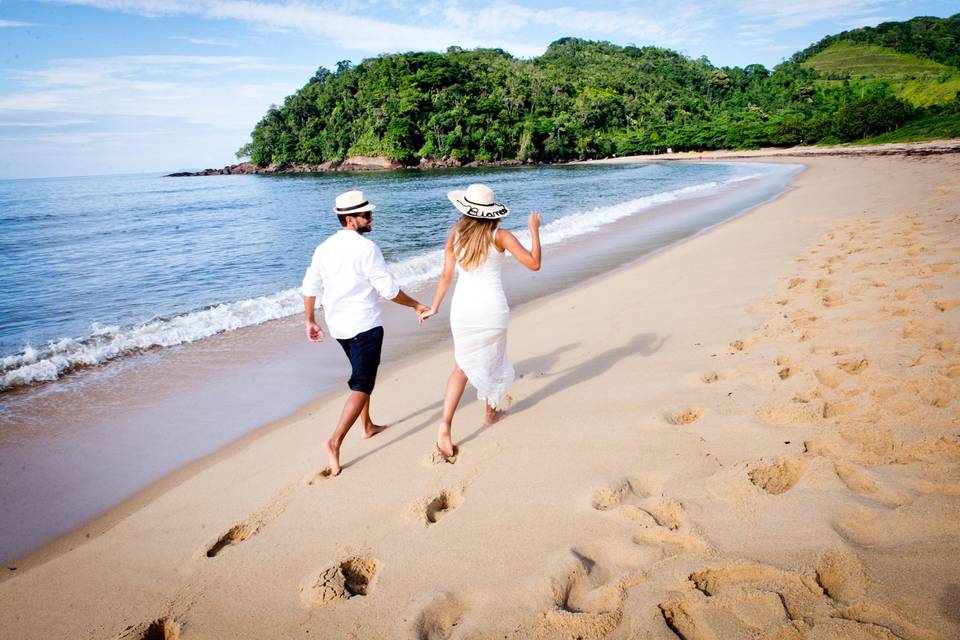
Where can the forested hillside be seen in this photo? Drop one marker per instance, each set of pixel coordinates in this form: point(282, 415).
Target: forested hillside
point(584, 99)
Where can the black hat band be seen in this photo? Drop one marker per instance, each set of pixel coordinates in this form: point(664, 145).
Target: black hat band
point(356, 206)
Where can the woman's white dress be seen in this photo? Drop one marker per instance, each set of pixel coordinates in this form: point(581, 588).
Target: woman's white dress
point(478, 320)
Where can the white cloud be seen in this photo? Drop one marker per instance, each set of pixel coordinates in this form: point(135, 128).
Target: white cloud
point(49, 124)
point(197, 89)
point(801, 13)
point(338, 26)
point(437, 24)
point(83, 138)
point(211, 42)
point(16, 23)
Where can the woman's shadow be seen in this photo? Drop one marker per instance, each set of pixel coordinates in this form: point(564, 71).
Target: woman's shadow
point(642, 344)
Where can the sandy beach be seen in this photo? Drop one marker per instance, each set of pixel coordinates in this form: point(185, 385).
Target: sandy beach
point(752, 434)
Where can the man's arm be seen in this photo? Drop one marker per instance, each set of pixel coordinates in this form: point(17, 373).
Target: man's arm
point(312, 287)
point(314, 332)
point(382, 281)
point(407, 301)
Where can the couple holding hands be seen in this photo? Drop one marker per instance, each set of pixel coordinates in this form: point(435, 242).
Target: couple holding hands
point(348, 273)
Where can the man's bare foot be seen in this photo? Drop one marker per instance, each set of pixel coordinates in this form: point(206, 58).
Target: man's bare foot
point(334, 454)
point(445, 445)
point(373, 429)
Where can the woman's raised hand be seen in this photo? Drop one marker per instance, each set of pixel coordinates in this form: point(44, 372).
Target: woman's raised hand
point(533, 222)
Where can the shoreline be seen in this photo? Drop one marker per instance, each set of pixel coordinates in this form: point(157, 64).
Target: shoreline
point(597, 376)
point(364, 164)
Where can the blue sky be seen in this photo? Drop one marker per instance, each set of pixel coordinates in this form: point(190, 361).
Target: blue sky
point(120, 86)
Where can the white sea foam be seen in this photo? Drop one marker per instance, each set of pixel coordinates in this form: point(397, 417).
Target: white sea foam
point(105, 343)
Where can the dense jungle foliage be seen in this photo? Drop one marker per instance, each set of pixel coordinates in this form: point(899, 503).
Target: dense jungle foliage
point(583, 99)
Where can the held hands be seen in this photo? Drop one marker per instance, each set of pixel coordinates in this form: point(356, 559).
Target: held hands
point(426, 313)
point(423, 313)
point(314, 332)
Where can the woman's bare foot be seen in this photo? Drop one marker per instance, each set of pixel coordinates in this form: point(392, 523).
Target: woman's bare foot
point(492, 416)
point(444, 443)
point(334, 454)
point(370, 430)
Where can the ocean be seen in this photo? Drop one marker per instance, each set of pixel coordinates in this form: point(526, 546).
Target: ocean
point(148, 321)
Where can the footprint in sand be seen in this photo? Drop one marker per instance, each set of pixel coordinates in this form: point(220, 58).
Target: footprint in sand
point(878, 527)
point(944, 346)
point(787, 368)
point(438, 458)
point(743, 600)
point(324, 474)
point(585, 606)
point(861, 482)
point(854, 366)
point(632, 502)
point(437, 620)
point(683, 416)
point(625, 490)
point(354, 576)
point(251, 526)
point(831, 299)
point(777, 477)
point(828, 377)
point(946, 305)
point(162, 629)
point(430, 510)
point(663, 527)
point(795, 282)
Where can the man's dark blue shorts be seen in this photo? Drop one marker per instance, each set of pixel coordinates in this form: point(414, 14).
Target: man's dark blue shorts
point(363, 351)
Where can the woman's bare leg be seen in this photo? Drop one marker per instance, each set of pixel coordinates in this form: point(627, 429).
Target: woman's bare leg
point(456, 383)
point(492, 415)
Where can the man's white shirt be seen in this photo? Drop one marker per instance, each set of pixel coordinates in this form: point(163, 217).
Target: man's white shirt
point(349, 276)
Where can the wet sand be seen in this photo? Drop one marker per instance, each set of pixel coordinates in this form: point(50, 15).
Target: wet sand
point(751, 434)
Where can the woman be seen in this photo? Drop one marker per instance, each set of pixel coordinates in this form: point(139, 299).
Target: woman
point(479, 313)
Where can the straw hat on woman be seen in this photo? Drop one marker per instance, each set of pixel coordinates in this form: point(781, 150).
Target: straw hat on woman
point(475, 249)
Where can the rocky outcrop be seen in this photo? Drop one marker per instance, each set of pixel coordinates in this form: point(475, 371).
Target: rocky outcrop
point(356, 163)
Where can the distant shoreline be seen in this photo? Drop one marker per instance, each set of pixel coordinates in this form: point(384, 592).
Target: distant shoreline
point(380, 163)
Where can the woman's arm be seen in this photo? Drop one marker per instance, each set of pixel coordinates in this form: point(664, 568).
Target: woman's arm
point(449, 262)
point(530, 259)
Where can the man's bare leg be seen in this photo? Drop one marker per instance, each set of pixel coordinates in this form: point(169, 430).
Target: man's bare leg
point(456, 383)
point(351, 410)
point(369, 428)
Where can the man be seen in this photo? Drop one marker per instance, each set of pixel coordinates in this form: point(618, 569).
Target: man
point(350, 272)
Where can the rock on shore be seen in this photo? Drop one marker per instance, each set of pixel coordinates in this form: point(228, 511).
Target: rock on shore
point(355, 163)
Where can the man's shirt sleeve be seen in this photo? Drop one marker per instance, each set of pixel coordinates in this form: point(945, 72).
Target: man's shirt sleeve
point(380, 278)
point(312, 282)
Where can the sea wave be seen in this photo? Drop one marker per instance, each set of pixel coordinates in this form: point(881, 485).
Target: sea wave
point(51, 361)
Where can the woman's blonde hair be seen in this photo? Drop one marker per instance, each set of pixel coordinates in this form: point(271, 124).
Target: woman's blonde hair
point(473, 240)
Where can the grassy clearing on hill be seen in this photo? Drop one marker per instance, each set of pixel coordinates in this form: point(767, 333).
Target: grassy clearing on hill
point(919, 81)
point(867, 60)
point(929, 128)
